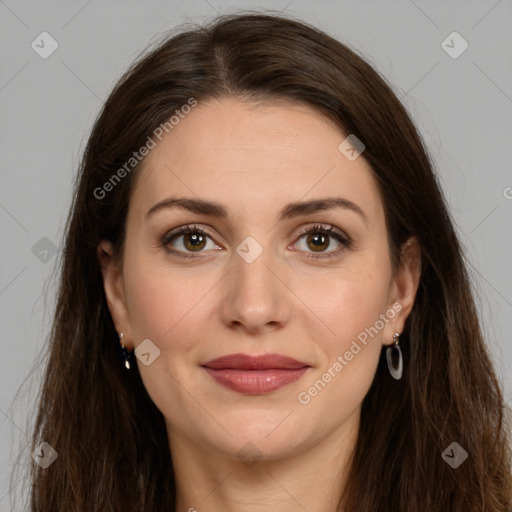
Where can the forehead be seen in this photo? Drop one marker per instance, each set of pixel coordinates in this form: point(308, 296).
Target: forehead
point(253, 156)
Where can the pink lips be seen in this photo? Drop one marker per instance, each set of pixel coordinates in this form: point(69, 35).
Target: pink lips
point(255, 375)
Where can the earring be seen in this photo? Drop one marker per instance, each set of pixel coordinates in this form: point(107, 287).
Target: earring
point(126, 355)
point(395, 352)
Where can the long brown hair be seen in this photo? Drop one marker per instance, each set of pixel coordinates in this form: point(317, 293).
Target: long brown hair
point(111, 438)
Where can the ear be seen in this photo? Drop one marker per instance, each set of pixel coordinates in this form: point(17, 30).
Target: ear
point(114, 291)
point(404, 287)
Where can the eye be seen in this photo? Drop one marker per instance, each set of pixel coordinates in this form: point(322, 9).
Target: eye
point(319, 238)
point(193, 240)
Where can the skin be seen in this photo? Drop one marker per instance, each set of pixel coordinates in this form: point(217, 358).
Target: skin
point(254, 159)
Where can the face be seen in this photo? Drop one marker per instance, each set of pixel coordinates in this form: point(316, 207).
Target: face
point(311, 283)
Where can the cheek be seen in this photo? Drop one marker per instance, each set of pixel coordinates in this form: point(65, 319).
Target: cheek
point(164, 305)
point(351, 311)
point(151, 307)
point(164, 308)
point(154, 306)
point(348, 303)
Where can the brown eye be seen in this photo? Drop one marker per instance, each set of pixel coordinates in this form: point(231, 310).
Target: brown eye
point(319, 238)
point(318, 241)
point(186, 239)
point(194, 241)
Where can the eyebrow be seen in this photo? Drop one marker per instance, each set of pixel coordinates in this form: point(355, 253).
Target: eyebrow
point(289, 211)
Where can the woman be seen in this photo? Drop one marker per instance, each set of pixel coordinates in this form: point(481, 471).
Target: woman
point(263, 301)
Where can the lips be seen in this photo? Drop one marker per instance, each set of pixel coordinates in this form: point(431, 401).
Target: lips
point(264, 362)
point(255, 374)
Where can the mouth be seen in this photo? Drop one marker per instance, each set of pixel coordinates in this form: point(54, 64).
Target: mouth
point(255, 375)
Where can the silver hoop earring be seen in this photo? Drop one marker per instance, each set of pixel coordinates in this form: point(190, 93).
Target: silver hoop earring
point(127, 357)
point(395, 352)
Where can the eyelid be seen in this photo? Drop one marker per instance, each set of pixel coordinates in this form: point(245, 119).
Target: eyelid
point(186, 228)
point(330, 229)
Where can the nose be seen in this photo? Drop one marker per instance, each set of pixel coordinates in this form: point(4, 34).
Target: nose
point(256, 296)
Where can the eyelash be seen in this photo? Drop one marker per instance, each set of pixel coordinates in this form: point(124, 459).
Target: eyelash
point(331, 231)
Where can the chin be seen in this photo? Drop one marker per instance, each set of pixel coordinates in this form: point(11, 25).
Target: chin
point(264, 437)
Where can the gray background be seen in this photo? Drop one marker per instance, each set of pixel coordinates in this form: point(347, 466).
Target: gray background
point(462, 106)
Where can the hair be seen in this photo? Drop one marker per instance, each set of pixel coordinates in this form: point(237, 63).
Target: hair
point(113, 452)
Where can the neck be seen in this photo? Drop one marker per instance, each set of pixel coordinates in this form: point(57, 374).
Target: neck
point(312, 479)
